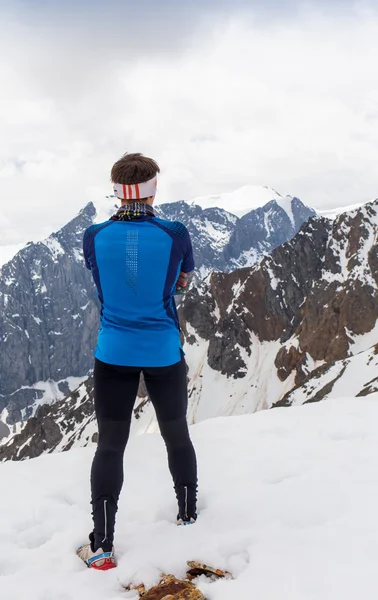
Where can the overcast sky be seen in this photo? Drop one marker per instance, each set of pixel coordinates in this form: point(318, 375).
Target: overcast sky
point(221, 93)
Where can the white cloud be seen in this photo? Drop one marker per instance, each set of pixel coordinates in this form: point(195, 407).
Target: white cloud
point(287, 103)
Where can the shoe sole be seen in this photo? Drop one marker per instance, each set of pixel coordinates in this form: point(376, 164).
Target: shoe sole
point(109, 563)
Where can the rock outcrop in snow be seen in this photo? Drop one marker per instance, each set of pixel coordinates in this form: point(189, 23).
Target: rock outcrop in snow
point(62, 425)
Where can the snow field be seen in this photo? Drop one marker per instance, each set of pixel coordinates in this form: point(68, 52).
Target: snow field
point(288, 503)
point(212, 394)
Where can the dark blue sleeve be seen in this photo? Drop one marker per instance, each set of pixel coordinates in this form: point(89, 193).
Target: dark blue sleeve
point(188, 261)
point(87, 245)
point(180, 235)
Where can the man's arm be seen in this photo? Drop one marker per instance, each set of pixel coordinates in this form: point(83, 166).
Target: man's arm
point(183, 283)
point(187, 268)
point(87, 241)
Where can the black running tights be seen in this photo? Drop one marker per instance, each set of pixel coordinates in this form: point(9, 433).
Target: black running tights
point(115, 391)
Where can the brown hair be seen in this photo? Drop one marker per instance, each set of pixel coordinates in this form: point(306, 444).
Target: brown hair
point(134, 168)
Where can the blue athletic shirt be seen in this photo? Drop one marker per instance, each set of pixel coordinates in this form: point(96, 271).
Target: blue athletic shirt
point(135, 266)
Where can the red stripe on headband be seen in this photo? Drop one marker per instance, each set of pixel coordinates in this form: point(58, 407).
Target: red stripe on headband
point(124, 191)
point(130, 191)
point(137, 191)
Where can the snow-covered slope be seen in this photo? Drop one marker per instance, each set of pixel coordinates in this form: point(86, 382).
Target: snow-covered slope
point(333, 213)
point(357, 376)
point(242, 200)
point(287, 503)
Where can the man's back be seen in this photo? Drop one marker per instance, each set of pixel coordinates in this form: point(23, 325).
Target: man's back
point(137, 262)
point(135, 265)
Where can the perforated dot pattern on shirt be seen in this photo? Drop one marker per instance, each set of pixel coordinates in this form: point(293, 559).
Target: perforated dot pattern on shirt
point(132, 260)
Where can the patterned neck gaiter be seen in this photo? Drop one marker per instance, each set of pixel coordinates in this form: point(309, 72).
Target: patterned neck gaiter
point(128, 212)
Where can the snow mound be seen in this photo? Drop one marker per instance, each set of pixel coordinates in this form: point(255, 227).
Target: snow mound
point(287, 503)
point(243, 200)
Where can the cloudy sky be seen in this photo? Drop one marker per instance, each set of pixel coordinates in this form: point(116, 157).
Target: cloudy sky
point(221, 93)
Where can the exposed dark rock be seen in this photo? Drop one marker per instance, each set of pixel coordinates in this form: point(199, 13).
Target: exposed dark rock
point(4, 430)
point(60, 424)
point(287, 361)
point(52, 425)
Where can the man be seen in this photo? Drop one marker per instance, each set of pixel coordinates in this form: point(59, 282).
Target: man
point(138, 262)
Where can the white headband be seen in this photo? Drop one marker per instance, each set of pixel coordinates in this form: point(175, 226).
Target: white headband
point(136, 190)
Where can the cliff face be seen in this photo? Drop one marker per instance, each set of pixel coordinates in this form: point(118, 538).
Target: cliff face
point(314, 295)
point(49, 316)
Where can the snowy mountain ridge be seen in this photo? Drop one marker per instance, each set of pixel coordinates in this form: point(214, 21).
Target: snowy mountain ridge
point(242, 200)
point(238, 202)
point(290, 330)
point(48, 304)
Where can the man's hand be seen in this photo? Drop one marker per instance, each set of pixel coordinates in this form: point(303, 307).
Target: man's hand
point(183, 282)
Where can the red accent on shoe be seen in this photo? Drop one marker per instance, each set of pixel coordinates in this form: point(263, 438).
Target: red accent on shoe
point(109, 563)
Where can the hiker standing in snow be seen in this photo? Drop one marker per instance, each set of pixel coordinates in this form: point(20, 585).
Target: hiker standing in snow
point(138, 263)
